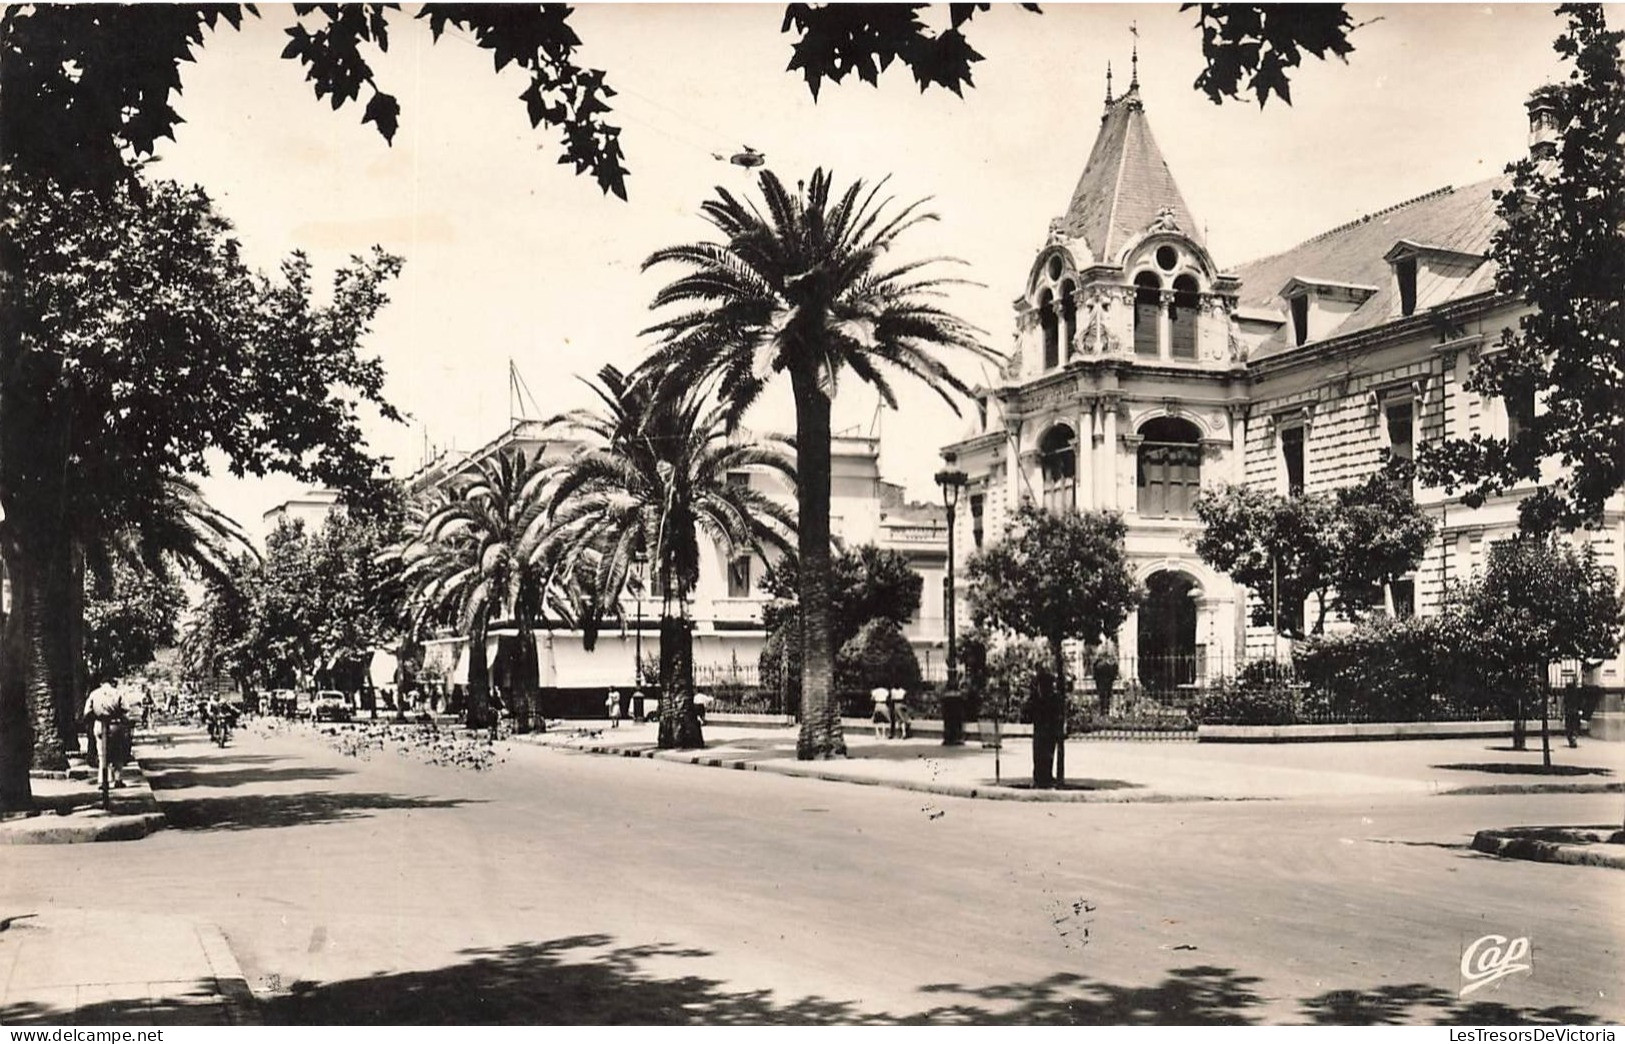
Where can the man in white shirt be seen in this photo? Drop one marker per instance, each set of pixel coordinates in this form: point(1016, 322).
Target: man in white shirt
point(106, 710)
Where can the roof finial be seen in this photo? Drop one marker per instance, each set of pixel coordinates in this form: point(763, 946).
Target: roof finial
point(1134, 59)
point(1108, 83)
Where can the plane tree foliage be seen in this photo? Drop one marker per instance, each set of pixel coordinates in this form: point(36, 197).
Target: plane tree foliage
point(1560, 248)
point(1334, 549)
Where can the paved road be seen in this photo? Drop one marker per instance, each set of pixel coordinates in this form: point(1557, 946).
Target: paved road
point(566, 888)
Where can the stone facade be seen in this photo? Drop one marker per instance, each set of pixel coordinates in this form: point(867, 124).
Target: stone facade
point(1141, 371)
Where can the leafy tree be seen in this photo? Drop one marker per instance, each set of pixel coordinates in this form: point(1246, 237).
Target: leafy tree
point(1541, 600)
point(1269, 543)
point(868, 582)
point(657, 475)
point(1561, 250)
point(1381, 533)
point(1332, 548)
point(1054, 576)
point(104, 404)
point(80, 84)
point(806, 288)
point(129, 619)
point(1258, 41)
point(880, 654)
point(1262, 41)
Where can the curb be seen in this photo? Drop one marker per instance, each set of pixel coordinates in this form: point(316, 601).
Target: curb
point(92, 824)
point(235, 996)
point(989, 792)
point(1498, 843)
point(1536, 788)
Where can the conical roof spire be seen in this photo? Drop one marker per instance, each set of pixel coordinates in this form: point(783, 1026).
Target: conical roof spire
point(1126, 186)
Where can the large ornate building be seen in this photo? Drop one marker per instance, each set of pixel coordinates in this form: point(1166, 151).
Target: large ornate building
point(1144, 371)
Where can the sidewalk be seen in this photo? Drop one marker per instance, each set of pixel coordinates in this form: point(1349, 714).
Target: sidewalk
point(101, 967)
point(1130, 770)
point(94, 967)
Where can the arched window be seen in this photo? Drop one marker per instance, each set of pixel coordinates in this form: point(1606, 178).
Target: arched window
point(1069, 317)
point(1052, 340)
point(1182, 317)
point(1170, 468)
point(1058, 459)
point(1147, 307)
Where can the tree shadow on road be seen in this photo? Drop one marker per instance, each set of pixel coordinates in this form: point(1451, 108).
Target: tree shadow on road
point(1514, 768)
point(257, 811)
point(180, 778)
point(1414, 1003)
point(590, 980)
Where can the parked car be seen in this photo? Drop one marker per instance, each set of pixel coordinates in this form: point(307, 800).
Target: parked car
point(330, 706)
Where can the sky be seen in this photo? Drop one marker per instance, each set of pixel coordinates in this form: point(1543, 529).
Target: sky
point(510, 256)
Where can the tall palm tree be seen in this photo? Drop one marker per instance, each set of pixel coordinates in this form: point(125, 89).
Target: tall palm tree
point(656, 475)
point(473, 562)
point(804, 289)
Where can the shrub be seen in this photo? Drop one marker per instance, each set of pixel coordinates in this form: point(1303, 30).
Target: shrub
point(1261, 694)
point(1417, 669)
point(878, 655)
point(783, 647)
point(1012, 675)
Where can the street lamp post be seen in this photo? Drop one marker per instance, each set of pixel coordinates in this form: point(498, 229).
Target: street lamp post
point(639, 563)
point(952, 480)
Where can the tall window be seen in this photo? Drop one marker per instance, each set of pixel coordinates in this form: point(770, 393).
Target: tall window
point(739, 577)
point(1069, 318)
point(1404, 593)
point(1170, 468)
point(1052, 336)
point(1147, 308)
point(1182, 317)
point(1405, 277)
point(1292, 458)
point(1401, 420)
point(1058, 458)
point(1520, 406)
point(978, 507)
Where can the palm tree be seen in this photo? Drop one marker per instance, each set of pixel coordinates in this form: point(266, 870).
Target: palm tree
point(473, 561)
point(803, 289)
point(656, 473)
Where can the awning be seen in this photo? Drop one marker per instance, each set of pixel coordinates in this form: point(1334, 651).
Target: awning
point(383, 668)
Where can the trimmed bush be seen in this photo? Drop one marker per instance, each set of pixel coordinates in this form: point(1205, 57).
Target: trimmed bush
point(1262, 694)
point(878, 655)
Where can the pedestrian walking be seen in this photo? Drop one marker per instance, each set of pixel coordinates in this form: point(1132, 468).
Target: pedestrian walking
point(1571, 712)
point(882, 719)
point(612, 708)
point(901, 724)
point(108, 716)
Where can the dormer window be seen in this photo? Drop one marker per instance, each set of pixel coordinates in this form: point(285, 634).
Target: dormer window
point(1300, 318)
point(1424, 270)
point(1405, 278)
point(1320, 306)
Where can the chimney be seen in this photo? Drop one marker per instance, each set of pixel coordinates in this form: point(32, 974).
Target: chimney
point(1545, 107)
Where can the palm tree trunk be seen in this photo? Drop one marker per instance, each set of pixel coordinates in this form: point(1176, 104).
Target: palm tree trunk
point(478, 713)
point(51, 681)
point(820, 709)
point(679, 725)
